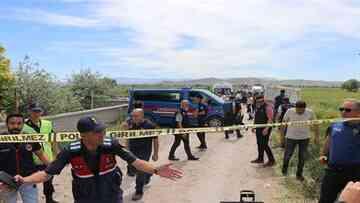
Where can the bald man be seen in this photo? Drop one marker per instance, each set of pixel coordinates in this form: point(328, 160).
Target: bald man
point(142, 148)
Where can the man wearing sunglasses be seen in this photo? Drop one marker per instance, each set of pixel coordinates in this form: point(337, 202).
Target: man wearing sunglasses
point(96, 176)
point(341, 152)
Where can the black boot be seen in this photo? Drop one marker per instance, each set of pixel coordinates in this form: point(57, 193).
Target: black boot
point(49, 199)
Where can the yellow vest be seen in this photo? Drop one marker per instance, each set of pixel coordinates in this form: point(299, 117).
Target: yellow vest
point(46, 128)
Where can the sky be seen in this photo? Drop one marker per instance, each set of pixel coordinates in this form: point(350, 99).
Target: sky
point(284, 39)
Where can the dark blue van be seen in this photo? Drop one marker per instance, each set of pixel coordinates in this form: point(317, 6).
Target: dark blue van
point(160, 105)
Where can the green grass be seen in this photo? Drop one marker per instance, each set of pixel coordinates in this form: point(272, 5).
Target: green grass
point(324, 102)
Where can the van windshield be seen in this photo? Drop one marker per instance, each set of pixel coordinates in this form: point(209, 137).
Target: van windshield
point(212, 96)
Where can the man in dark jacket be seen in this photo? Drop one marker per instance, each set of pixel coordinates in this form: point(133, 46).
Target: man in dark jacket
point(182, 121)
point(96, 176)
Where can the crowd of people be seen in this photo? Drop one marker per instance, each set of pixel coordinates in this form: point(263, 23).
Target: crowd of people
point(96, 177)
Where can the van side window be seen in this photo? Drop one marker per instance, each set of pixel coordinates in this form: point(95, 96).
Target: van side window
point(157, 96)
point(193, 94)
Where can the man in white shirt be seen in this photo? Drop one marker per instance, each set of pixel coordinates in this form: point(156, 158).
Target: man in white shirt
point(298, 135)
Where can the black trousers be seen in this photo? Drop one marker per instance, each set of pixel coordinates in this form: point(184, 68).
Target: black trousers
point(201, 136)
point(177, 141)
point(48, 187)
point(235, 120)
point(335, 180)
point(142, 178)
point(263, 144)
point(290, 145)
point(238, 133)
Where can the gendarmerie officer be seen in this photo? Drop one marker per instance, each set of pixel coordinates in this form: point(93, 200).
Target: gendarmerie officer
point(236, 117)
point(96, 176)
point(182, 121)
point(202, 113)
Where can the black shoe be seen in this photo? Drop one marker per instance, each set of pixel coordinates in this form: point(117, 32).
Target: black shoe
point(173, 158)
point(147, 183)
point(51, 200)
point(226, 137)
point(257, 161)
point(284, 172)
point(202, 147)
point(137, 196)
point(192, 158)
point(240, 136)
point(300, 178)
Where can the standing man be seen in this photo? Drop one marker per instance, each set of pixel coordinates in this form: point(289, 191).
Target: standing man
point(96, 176)
point(263, 115)
point(17, 158)
point(283, 108)
point(278, 101)
point(236, 117)
point(341, 152)
point(250, 105)
point(131, 172)
point(142, 148)
point(34, 124)
point(298, 135)
point(182, 121)
point(202, 113)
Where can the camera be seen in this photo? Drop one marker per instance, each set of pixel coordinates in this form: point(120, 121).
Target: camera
point(246, 196)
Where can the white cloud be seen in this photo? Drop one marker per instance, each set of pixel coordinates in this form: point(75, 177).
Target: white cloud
point(231, 33)
point(234, 37)
point(50, 18)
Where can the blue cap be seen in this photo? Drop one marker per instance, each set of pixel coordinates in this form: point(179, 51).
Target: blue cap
point(90, 124)
point(35, 107)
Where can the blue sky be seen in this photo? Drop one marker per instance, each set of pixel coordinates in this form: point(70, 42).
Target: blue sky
point(185, 38)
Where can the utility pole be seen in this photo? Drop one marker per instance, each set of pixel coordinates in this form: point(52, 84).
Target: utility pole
point(17, 102)
point(92, 98)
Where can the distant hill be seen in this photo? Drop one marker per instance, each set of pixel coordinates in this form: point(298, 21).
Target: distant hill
point(133, 81)
point(234, 81)
point(264, 81)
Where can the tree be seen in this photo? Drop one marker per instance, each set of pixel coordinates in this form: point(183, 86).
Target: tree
point(92, 88)
point(6, 80)
point(5, 74)
point(351, 85)
point(66, 101)
point(34, 84)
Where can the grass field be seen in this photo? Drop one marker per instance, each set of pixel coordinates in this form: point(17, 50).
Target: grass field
point(324, 102)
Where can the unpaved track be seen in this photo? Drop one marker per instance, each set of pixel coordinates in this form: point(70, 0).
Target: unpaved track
point(223, 170)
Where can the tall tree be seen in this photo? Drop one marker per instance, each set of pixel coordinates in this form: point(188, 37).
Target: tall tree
point(34, 84)
point(6, 80)
point(92, 88)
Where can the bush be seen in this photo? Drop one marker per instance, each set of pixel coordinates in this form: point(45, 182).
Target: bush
point(351, 85)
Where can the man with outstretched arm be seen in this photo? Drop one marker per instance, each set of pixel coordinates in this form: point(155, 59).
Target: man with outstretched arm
point(96, 176)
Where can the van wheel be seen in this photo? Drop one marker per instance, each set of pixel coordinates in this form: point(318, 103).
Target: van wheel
point(215, 122)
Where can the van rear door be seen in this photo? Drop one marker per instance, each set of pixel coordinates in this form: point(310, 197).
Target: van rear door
point(159, 105)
